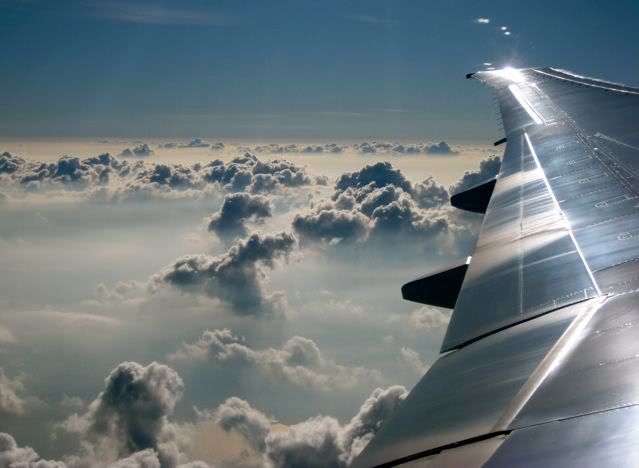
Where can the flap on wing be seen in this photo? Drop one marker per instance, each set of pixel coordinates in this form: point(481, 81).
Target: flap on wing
point(438, 289)
point(474, 199)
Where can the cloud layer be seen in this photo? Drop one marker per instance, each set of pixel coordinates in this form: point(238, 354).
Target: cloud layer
point(130, 425)
point(373, 147)
point(108, 178)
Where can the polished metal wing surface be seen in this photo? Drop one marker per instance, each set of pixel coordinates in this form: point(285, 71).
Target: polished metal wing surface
point(541, 356)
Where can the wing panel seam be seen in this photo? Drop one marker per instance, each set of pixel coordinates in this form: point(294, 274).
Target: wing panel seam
point(568, 227)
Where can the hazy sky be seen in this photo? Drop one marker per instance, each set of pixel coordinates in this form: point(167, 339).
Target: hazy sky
point(315, 69)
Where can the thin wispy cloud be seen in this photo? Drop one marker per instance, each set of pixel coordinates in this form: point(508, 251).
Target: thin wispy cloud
point(158, 15)
point(374, 20)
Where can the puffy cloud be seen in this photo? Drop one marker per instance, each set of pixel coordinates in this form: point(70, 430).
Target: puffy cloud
point(236, 209)
point(105, 178)
point(333, 226)
point(275, 148)
point(6, 337)
point(312, 443)
point(196, 143)
point(12, 456)
point(428, 318)
point(488, 168)
point(410, 359)
point(377, 409)
point(377, 202)
point(380, 174)
point(404, 217)
point(403, 148)
point(409, 148)
point(374, 147)
point(372, 198)
point(120, 292)
point(366, 148)
point(299, 360)
point(10, 163)
point(69, 172)
point(147, 458)
point(235, 277)
point(429, 194)
point(13, 397)
point(248, 173)
point(317, 442)
point(237, 415)
point(440, 148)
point(140, 151)
point(130, 418)
point(10, 399)
point(72, 403)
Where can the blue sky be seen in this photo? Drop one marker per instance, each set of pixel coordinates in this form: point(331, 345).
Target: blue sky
point(287, 69)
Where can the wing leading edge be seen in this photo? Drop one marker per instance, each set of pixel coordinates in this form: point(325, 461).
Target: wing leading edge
point(542, 362)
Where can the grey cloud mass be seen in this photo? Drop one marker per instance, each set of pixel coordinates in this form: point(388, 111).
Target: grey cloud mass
point(131, 415)
point(235, 277)
point(317, 442)
point(488, 168)
point(238, 415)
point(373, 147)
point(127, 426)
point(196, 143)
point(107, 178)
point(428, 318)
point(13, 456)
point(377, 202)
point(440, 148)
point(403, 148)
point(429, 194)
point(140, 151)
point(14, 399)
point(380, 175)
point(10, 163)
point(274, 148)
point(236, 209)
point(332, 226)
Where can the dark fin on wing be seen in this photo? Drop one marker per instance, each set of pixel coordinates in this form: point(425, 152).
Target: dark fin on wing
point(438, 289)
point(474, 199)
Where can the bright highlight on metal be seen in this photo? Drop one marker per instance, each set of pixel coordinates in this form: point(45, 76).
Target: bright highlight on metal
point(554, 199)
point(511, 74)
point(523, 102)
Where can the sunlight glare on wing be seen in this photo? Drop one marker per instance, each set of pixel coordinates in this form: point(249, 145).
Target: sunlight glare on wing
point(512, 74)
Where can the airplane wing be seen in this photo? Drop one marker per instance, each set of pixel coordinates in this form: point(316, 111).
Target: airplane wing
point(540, 363)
